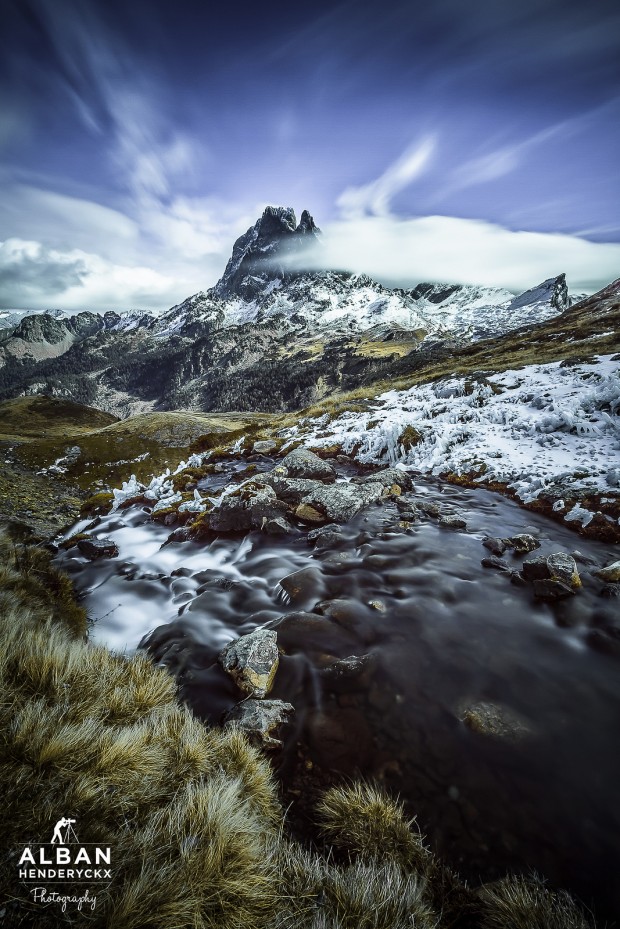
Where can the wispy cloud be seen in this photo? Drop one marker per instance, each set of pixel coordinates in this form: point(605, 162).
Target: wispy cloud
point(375, 198)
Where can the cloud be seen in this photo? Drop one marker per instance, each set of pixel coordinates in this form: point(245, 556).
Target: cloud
point(35, 277)
point(376, 196)
point(403, 252)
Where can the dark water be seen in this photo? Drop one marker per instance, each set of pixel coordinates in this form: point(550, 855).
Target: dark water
point(441, 634)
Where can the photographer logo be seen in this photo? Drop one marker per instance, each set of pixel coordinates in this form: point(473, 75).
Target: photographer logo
point(66, 865)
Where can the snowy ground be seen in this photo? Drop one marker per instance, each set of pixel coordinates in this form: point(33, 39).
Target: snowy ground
point(543, 427)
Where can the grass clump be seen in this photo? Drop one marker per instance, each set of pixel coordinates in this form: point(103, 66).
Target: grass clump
point(517, 903)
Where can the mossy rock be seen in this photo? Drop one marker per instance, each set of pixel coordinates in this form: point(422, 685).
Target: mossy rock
point(97, 505)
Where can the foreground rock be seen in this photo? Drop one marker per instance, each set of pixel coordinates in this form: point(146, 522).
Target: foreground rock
point(260, 720)
point(491, 719)
point(252, 661)
point(97, 548)
point(251, 506)
point(610, 574)
point(305, 464)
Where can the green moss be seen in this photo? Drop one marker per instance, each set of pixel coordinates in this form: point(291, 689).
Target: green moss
point(97, 505)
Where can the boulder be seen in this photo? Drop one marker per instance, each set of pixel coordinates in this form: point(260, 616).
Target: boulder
point(252, 661)
point(264, 446)
point(342, 501)
point(610, 574)
point(97, 548)
point(250, 506)
point(388, 478)
point(305, 464)
point(550, 589)
point(558, 567)
point(260, 720)
point(308, 514)
point(302, 584)
point(494, 562)
point(491, 719)
point(495, 546)
point(523, 543)
point(325, 536)
point(452, 522)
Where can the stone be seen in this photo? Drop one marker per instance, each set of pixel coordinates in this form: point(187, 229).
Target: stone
point(300, 585)
point(452, 522)
point(496, 546)
point(264, 446)
point(558, 567)
point(388, 478)
point(494, 562)
point(345, 671)
point(611, 591)
point(301, 462)
point(277, 526)
point(431, 509)
point(260, 720)
point(97, 548)
point(308, 514)
point(524, 543)
point(492, 719)
point(249, 506)
point(610, 574)
point(550, 589)
point(252, 661)
point(325, 536)
point(340, 502)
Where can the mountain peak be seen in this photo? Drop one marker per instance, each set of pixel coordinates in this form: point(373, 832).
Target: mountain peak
point(275, 235)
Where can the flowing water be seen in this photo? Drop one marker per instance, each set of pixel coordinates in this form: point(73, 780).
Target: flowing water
point(441, 634)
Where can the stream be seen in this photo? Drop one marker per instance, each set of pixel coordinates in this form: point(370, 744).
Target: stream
point(441, 634)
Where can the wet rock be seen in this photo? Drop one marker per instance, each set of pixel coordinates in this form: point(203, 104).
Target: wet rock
point(431, 509)
point(495, 546)
point(302, 584)
point(308, 514)
point(325, 536)
point(260, 720)
point(494, 562)
point(305, 464)
point(278, 526)
point(97, 548)
point(492, 719)
point(263, 447)
point(550, 589)
point(356, 671)
point(252, 661)
point(611, 591)
point(452, 522)
point(558, 567)
point(610, 574)
point(250, 506)
point(377, 605)
point(523, 543)
point(342, 501)
point(390, 477)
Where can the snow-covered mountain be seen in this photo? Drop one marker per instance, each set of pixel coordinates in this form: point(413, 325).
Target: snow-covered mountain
point(265, 336)
point(257, 287)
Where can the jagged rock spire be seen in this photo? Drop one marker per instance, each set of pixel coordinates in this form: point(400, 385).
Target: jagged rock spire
point(275, 235)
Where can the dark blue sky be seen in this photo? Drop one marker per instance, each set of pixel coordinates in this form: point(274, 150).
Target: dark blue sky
point(137, 139)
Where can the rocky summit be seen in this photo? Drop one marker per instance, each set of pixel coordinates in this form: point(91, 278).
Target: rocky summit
point(270, 335)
